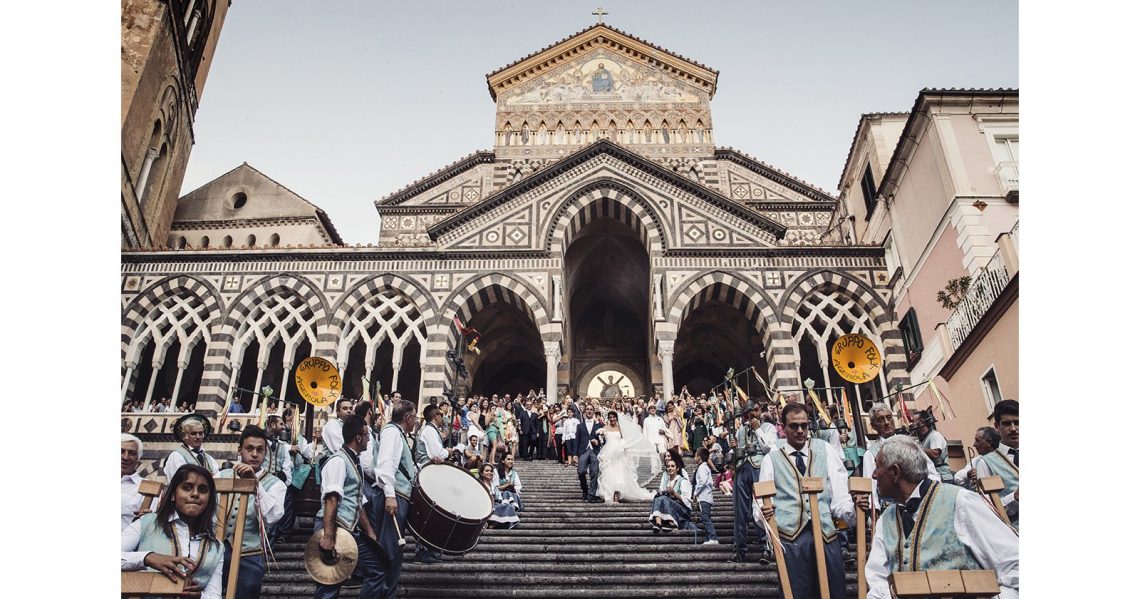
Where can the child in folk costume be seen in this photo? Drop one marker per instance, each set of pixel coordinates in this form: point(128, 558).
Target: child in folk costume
point(178, 538)
point(505, 515)
point(672, 507)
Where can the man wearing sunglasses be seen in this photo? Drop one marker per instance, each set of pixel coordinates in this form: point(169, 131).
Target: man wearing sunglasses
point(792, 459)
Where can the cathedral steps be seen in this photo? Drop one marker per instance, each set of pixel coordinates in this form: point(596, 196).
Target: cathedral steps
point(566, 548)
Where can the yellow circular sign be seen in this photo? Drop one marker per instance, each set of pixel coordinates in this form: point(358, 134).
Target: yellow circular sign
point(856, 358)
point(318, 381)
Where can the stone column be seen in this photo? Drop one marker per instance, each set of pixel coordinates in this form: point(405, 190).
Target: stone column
point(658, 298)
point(126, 384)
point(553, 351)
point(155, 367)
point(556, 280)
point(284, 385)
point(395, 371)
point(178, 380)
point(144, 174)
point(665, 354)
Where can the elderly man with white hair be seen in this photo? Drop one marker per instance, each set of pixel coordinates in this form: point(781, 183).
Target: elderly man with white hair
point(933, 526)
point(191, 430)
point(882, 420)
point(129, 454)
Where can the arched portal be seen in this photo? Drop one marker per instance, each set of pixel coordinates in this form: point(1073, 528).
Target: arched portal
point(721, 328)
point(510, 358)
point(607, 286)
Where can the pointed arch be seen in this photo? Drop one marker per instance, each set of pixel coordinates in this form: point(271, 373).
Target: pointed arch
point(607, 197)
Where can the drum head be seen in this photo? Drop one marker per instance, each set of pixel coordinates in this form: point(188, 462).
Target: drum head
point(455, 491)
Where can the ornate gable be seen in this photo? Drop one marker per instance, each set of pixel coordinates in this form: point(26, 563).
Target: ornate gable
point(668, 210)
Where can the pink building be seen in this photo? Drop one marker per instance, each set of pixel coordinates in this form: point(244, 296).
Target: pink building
point(937, 188)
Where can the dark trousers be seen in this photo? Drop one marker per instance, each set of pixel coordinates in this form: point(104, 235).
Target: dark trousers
point(374, 495)
point(391, 555)
point(588, 463)
point(251, 570)
point(706, 519)
point(285, 524)
point(746, 475)
point(369, 569)
point(799, 555)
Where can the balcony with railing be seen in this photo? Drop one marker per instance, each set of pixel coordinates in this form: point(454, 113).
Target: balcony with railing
point(1008, 178)
point(987, 285)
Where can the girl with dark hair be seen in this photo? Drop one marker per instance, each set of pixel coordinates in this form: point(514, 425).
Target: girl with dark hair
point(178, 538)
point(507, 482)
point(672, 507)
point(504, 515)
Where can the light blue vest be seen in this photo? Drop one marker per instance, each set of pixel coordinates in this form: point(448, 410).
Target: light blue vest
point(274, 460)
point(792, 510)
point(348, 508)
point(1002, 466)
point(933, 544)
point(421, 455)
point(153, 539)
point(406, 470)
point(190, 458)
point(251, 538)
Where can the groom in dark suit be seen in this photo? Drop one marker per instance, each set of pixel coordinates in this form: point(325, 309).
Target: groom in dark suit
point(587, 444)
point(528, 433)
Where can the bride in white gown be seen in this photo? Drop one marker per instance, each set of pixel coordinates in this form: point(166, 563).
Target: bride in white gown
point(624, 450)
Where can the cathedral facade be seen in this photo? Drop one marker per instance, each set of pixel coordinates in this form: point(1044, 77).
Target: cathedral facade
point(605, 240)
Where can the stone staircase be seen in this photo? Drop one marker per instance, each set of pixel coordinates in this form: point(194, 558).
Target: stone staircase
point(566, 548)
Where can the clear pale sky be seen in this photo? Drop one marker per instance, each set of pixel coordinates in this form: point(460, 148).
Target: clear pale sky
point(346, 102)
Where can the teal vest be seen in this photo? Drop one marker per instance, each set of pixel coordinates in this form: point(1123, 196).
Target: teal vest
point(792, 510)
point(153, 539)
point(274, 460)
point(251, 538)
point(406, 470)
point(348, 508)
point(421, 455)
point(1002, 466)
point(933, 544)
point(190, 458)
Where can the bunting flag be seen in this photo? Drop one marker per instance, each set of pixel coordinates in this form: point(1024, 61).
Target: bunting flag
point(943, 403)
point(263, 412)
point(764, 384)
point(847, 414)
point(297, 414)
point(783, 402)
point(905, 413)
point(471, 334)
point(819, 408)
point(366, 388)
point(740, 393)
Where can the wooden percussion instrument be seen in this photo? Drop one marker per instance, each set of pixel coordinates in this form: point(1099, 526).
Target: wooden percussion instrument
point(992, 487)
point(228, 488)
point(767, 490)
point(141, 585)
point(861, 486)
point(813, 486)
point(944, 584)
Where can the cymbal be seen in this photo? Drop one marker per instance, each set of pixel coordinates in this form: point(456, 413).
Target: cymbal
point(342, 565)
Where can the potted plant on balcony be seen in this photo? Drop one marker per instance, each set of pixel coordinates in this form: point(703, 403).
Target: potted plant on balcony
point(954, 292)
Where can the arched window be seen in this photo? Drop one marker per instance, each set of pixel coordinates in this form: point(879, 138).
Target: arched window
point(205, 243)
point(251, 240)
point(274, 240)
point(227, 241)
point(181, 243)
point(238, 200)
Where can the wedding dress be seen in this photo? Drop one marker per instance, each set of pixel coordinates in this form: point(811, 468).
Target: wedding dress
point(619, 458)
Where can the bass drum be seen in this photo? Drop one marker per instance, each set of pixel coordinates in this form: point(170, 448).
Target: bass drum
point(448, 509)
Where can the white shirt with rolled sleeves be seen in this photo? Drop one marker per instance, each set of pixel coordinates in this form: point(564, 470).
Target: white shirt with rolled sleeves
point(991, 541)
point(1011, 504)
point(392, 445)
point(132, 559)
point(961, 477)
point(332, 435)
point(366, 466)
point(272, 501)
point(131, 500)
point(869, 469)
point(433, 443)
point(842, 507)
point(332, 480)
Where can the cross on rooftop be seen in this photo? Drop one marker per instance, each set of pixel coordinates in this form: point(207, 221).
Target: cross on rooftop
point(600, 12)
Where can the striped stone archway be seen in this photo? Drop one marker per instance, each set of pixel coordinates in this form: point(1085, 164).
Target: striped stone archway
point(821, 292)
point(181, 308)
point(400, 307)
point(474, 295)
point(607, 198)
point(756, 306)
point(274, 302)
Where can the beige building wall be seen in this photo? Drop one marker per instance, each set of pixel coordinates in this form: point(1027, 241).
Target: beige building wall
point(942, 264)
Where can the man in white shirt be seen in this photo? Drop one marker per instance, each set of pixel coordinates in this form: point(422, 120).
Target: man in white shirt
point(1005, 461)
point(332, 431)
point(130, 450)
point(395, 474)
point(882, 420)
point(933, 444)
point(811, 458)
point(655, 431)
point(252, 446)
point(986, 440)
point(191, 430)
point(430, 450)
point(936, 527)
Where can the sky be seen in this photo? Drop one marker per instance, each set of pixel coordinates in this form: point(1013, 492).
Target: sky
point(346, 102)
